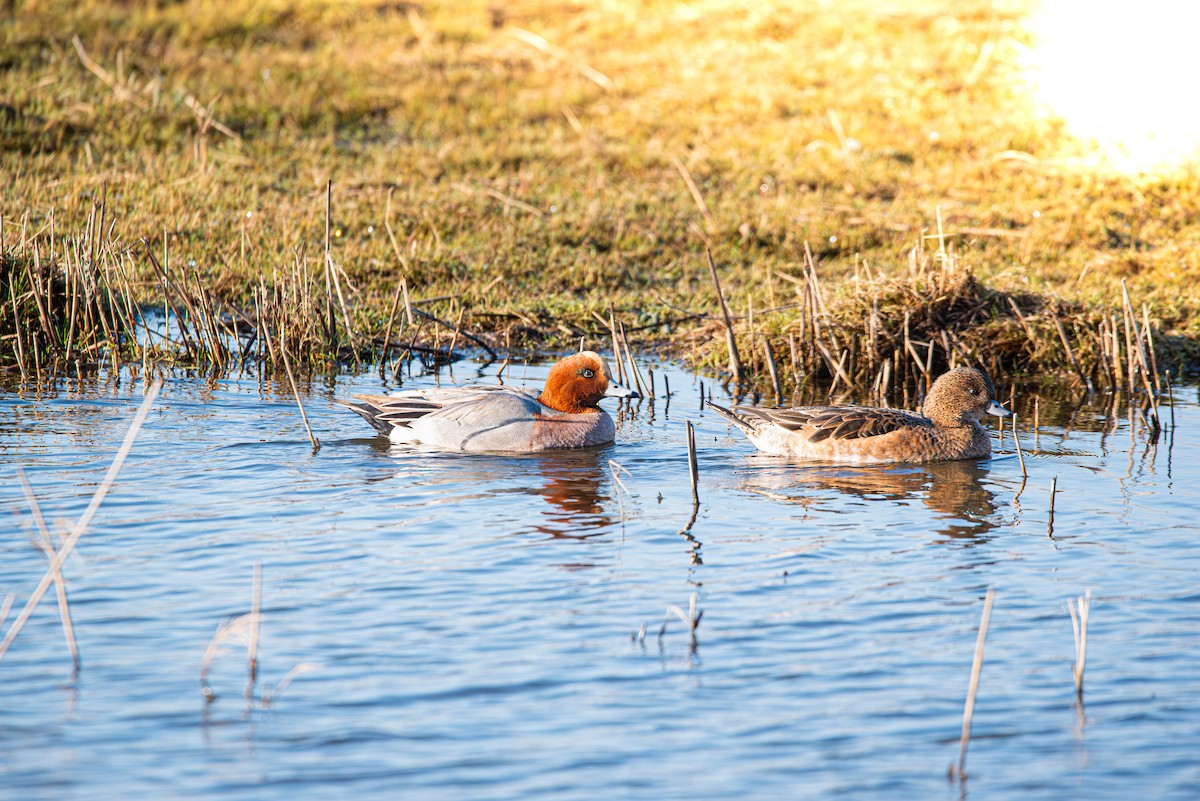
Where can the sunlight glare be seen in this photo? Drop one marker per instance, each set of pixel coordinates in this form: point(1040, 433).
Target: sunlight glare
point(1122, 74)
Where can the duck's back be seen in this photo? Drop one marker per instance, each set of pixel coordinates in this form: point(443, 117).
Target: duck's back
point(858, 434)
point(482, 418)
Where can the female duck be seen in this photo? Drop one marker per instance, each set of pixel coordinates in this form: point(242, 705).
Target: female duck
point(949, 429)
point(498, 418)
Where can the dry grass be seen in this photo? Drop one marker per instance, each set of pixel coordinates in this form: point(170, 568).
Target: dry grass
point(524, 165)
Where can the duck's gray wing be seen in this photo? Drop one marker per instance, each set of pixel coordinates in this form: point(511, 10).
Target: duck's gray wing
point(471, 405)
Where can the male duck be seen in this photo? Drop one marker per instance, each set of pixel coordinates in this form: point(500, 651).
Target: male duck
point(948, 429)
point(498, 418)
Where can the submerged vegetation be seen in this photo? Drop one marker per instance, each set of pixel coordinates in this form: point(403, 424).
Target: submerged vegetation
point(346, 183)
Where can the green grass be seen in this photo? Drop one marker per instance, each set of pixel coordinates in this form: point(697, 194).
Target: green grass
point(531, 153)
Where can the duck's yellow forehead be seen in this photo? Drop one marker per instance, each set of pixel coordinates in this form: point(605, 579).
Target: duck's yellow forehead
point(593, 360)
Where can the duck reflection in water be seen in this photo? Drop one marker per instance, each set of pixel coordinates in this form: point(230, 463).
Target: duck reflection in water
point(954, 490)
point(572, 483)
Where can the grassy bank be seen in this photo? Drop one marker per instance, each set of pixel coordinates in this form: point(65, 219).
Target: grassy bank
point(523, 165)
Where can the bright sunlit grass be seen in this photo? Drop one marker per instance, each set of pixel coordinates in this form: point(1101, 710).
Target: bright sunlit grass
point(1119, 74)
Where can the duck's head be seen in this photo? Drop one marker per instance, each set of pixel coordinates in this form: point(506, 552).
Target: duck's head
point(962, 396)
point(577, 383)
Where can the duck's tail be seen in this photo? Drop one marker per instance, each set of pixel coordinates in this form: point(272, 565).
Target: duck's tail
point(370, 412)
point(738, 420)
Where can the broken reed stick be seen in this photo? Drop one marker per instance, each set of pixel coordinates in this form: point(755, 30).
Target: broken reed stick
point(331, 325)
point(617, 469)
point(387, 332)
point(972, 689)
point(255, 624)
point(616, 343)
point(693, 466)
point(633, 368)
point(1017, 440)
point(709, 222)
point(1050, 521)
point(287, 366)
point(1079, 624)
point(85, 519)
point(735, 362)
point(1170, 401)
point(691, 618)
point(60, 586)
point(771, 367)
point(1062, 335)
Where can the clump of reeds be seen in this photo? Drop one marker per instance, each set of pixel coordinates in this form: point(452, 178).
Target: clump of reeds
point(880, 333)
point(81, 300)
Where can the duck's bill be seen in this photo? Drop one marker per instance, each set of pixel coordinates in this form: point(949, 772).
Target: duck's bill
point(998, 410)
point(615, 390)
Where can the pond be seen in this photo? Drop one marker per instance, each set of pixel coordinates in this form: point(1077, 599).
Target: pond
point(487, 627)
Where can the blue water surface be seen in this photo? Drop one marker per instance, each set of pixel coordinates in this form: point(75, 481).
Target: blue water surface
point(487, 626)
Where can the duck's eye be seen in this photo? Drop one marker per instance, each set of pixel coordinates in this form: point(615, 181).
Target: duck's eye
point(586, 373)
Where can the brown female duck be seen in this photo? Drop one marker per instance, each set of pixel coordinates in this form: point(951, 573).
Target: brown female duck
point(947, 429)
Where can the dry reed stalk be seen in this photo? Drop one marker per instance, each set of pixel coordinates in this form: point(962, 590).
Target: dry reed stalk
point(693, 465)
point(287, 366)
point(331, 317)
point(1143, 361)
point(1017, 441)
point(457, 332)
point(735, 362)
point(1037, 429)
point(300, 668)
point(17, 327)
point(774, 372)
point(229, 629)
point(387, 333)
point(255, 625)
point(1062, 335)
point(795, 364)
point(709, 222)
point(1170, 400)
point(616, 344)
point(167, 286)
point(507, 355)
point(1079, 624)
point(85, 519)
point(973, 687)
point(6, 606)
point(617, 469)
point(691, 619)
point(1050, 520)
point(633, 366)
point(1148, 330)
point(60, 585)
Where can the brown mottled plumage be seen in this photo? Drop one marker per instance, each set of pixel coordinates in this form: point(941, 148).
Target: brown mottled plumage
point(948, 428)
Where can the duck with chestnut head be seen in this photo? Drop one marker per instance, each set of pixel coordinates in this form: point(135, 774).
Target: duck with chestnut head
point(564, 414)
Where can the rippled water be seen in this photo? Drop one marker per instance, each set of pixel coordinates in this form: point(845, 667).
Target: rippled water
point(463, 623)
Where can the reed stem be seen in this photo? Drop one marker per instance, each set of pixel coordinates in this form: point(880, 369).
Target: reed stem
point(973, 688)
